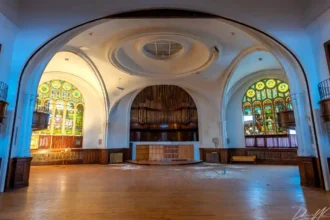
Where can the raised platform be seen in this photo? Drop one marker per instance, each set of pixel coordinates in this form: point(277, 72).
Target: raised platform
point(164, 163)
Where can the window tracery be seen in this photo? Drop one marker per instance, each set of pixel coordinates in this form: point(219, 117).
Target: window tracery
point(260, 104)
point(66, 106)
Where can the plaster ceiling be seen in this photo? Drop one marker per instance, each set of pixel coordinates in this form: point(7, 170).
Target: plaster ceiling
point(118, 43)
point(116, 49)
point(71, 63)
point(253, 62)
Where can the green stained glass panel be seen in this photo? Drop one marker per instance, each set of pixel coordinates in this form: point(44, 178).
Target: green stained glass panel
point(58, 117)
point(70, 113)
point(258, 95)
point(269, 93)
point(79, 120)
point(275, 93)
point(263, 94)
point(264, 117)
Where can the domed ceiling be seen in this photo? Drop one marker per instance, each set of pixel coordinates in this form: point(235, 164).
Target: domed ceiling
point(202, 46)
point(162, 53)
point(198, 52)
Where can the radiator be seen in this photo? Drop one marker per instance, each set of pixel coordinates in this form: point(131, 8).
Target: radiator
point(116, 158)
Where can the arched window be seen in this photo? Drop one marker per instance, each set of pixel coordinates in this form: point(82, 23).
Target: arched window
point(66, 105)
point(260, 104)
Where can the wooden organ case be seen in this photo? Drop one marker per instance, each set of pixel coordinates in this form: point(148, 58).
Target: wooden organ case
point(164, 113)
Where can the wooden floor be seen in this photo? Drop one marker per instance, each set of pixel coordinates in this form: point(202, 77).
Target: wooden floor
point(164, 163)
point(131, 192)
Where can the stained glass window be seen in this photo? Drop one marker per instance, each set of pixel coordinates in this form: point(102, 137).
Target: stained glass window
point(261, 102)
point(66, 105)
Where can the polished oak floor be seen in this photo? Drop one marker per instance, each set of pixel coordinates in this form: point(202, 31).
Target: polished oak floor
point(133, 192)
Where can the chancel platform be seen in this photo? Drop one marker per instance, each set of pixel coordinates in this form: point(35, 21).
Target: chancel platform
point(165, 162)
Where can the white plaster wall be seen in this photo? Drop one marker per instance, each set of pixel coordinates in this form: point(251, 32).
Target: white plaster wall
point(119, 123)
point(319, 33)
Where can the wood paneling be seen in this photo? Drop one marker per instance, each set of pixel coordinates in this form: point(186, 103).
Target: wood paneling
point(3, 110)
point(18, 172)
point(264, 156)
point(164, 152)
point(91, 156)
point(186, 152)
point(77, 156)
point(309, 172)
point(325, 109)
point(142, 152)
point(104, 156)
point(212, 157)
point(60, 141)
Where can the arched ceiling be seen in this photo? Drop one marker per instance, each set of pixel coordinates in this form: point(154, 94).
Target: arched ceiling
point(119, 43)
point(252, 63)
point(70, 63)
point(208, 48)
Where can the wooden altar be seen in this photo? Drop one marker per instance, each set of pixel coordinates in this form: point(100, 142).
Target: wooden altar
point(164, 154)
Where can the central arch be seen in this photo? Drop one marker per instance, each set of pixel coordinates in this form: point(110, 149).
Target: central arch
point(163, 113)
point(38, 61)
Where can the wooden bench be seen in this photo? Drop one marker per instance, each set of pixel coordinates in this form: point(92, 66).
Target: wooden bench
point(252, 159)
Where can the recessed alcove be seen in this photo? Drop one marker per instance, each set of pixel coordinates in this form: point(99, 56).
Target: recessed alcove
point(164, 119)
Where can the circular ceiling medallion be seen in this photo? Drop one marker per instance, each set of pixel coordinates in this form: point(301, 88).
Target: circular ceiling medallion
point(162, 54)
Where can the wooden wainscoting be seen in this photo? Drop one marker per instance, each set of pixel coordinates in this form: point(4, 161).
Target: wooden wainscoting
point(264, 156)
point(310, 172)
point(18, 173)
point(77, 156)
